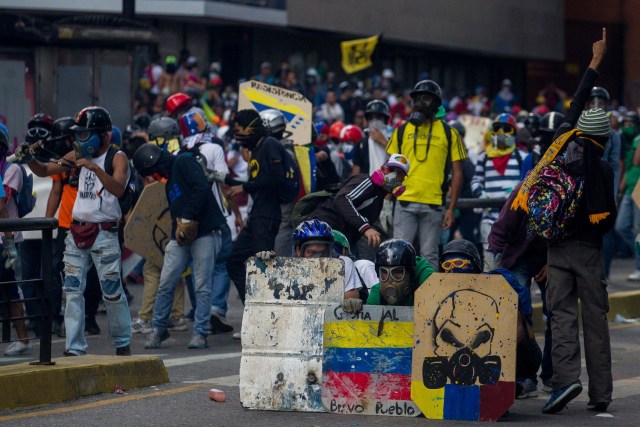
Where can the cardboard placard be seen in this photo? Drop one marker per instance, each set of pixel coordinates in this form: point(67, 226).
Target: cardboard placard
point(148, 229)
point(297, 109)
point(464, 347)
point(281, 366)
point(367, 361)
point(475, 127)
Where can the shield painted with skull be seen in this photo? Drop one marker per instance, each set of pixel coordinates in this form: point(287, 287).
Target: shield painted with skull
point(464, 354)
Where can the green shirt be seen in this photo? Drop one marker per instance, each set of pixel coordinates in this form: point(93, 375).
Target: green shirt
point(423, 271)
point(632, 173)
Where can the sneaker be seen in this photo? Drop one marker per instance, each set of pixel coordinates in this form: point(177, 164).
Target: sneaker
point(178, 324)
point(634, 277)
point(155, 338)
point(18, 348)
point(67, 353)
point(236, 336)
point(560, 398)
point(526, 389)
point(546, 387)
point(598, 406)
point(140, 326)
point(219, 324)
point(198, 341)
point(123, 351)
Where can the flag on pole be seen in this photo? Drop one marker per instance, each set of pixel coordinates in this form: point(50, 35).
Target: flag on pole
point(356, 54)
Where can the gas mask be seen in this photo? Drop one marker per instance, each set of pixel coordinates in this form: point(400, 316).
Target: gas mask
point(395, 284)
point(501, 140)
point(87, 143)
point(347, 149)
point(574, 159)
point(388, 181)
point(425, 105)
point(464, 328)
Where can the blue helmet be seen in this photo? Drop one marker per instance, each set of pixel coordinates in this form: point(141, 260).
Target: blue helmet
point(312, 230)
point(4, 135)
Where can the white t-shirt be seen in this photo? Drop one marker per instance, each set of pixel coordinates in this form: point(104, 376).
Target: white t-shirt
point(214, 154)
point(13, 179)
point(92, 205)
point(367, 270)
point(350, 276)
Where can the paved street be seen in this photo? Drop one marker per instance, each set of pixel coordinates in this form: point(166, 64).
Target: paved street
point(193, 372)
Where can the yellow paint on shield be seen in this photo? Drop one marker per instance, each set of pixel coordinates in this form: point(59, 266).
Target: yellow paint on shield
point(430, 401)
point(364, 334)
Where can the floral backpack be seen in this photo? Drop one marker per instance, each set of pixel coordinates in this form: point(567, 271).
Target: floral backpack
point(553, 202)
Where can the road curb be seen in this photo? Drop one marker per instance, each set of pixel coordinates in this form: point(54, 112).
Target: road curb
point(24, 385)
point(626, 304)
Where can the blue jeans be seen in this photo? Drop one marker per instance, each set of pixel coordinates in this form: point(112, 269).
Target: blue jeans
point(105, 255)
point(221, 281)
point(203, 252)
point(628, 224)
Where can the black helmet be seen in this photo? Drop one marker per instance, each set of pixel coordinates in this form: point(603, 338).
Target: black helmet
point(377, 106)
point(459, 127)
point(395, 252)
point(62, 127)
point(163, 127)
point(600, 92)
point(93, 118)
point(146, 157)
point(550, 122)
point(532, 122)
point(142, 120)
point(41, 120)
point(430, 87)
point(465, 248)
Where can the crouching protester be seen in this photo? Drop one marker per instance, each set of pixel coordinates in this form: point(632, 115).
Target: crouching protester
point(400, 271)
point(314, 239)
point(93, 236)
point(462, 256)
point(195, 235)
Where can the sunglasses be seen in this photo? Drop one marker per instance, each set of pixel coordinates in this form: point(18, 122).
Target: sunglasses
point(39, 133)
point(395, 273)
point(505, 128)
point(455, 263)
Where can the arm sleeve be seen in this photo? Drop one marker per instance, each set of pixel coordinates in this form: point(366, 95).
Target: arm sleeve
point(458, 150)
point(424, 269)
point(392, 146)
point(351, 281)
point(198, 186)
point(578, 101)
point(508, 221)
point(355, 191)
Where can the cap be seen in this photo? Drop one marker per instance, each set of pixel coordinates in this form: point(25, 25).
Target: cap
point(594, 122)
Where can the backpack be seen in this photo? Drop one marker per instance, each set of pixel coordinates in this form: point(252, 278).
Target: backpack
point(133, 188)
point(447, 165)
point(553, 202)
point(25, 199)
point(308, 204)
point(290, 189)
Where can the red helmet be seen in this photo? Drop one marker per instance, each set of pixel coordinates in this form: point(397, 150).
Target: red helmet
point(176, 101)
point(351, 133)
point(335, 129)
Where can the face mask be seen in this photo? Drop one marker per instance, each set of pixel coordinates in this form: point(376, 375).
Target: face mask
point(574, 159)
point(89, 146)
point(395, 292)
point(377, 124)
point(416, 118)
point(629, 131)
point(389, 182)
point(502, 141)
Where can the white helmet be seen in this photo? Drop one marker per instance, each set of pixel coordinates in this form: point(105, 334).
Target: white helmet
point(273, 121)
point(398, 161)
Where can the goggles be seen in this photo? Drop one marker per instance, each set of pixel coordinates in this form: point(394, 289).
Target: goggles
point(38, 133)
point(455, 263)
point(505, 128)
point(395, 273)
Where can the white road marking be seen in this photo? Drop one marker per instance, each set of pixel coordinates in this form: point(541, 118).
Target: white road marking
point(180, 361)
point(230, 381)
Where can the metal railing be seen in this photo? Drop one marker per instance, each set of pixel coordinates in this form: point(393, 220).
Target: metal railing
point(46, 225)
point(480, 203)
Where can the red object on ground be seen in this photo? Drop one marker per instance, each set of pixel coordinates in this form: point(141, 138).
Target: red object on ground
point(217, 395)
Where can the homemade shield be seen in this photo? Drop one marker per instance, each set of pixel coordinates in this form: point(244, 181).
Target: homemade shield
point(367, 361)
point(465, 347)
point(282, 331)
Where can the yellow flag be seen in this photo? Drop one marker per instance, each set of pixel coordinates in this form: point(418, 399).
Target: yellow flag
point(356, 54)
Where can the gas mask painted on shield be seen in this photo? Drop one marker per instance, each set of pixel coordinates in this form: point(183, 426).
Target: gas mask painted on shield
point(388, 181)
point(574, 159)
point(395, 284)
point(87, 143)
point(501, 140)
point(465, 326)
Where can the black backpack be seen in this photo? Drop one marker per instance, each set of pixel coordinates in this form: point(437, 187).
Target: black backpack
point(290, 189)
point(447, 166)
point(133, 188)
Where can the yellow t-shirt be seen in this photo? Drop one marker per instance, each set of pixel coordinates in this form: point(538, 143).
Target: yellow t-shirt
point(426, 172)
